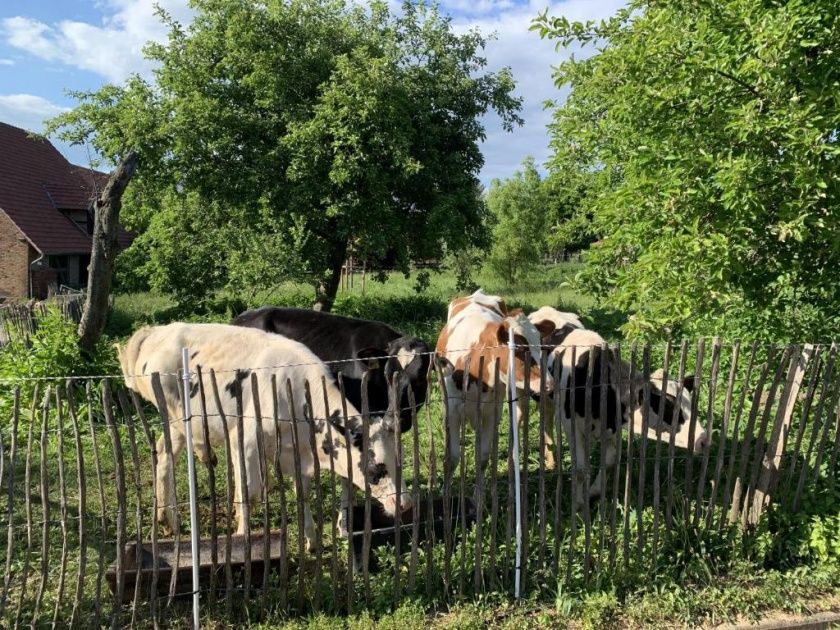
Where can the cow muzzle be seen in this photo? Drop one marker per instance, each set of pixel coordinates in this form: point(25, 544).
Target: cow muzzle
point(389, 503)
point(701, 442)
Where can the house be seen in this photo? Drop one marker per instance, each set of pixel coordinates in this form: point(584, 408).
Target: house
point(46, 216)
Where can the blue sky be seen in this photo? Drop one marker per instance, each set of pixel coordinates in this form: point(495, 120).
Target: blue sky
point(50, 46)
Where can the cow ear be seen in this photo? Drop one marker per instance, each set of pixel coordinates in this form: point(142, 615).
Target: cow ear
point(515, 312)
point(688, 383)
point(545, 328)
point(370, 355)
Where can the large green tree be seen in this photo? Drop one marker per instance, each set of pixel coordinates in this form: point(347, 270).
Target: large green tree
point(710, 130)
point(276, 133)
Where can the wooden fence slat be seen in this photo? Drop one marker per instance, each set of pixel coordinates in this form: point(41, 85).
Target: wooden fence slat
point(70, 394)
point(398, 480)
point(669, 501)
point(10, 507)
point(27, 494)
point(587, 475)
point(479, 488)
point(602, 470)
point(165, 421)
point(150, 439)
point(214, 386)
point(692, 428)
point(657, 450)
point(309, 418)
point(45, 508)
point(348, 489)
point(211, 483)
point(430, 538)
point(62, 488)
point(283, 585)
point(116, 445)
point(494, 471)
point(415, 494)
point(263, 470)
point(828, 427)
point(577, 467)
point(710, 420)
point(366, 539)
point(558, 457)
point(628, 470)
point(462, 468)
point(524, 446)
point(640, 502)
point(333, 502)
point(244, 502)
point(138, 498)
point(733, 454)
point(723, 432)
point(541, 460)
point(617, 466)
point(293, 421)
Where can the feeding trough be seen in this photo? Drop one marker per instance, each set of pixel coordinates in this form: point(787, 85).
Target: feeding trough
point(182, 562)
point(383, 527)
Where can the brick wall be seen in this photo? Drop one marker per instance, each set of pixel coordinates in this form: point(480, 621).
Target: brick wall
point(14, 260)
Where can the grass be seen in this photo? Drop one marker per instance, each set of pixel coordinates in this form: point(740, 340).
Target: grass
point(698, 575)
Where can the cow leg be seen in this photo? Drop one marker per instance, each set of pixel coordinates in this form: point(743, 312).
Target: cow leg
point(454, 418)
point(608, 443)
point(579, 479)
point(165, 482)
point(344, 506)
point(252, 475)
point(308, 521)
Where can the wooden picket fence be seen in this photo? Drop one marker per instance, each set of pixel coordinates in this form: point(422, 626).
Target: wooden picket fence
point(77, 469)
point(21, 320)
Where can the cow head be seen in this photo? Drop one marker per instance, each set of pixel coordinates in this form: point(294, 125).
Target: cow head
point(380, 469)
point(405, 359)
point(670, 412)
point(527, 336)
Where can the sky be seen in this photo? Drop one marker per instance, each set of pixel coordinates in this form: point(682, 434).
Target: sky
point(50, 47)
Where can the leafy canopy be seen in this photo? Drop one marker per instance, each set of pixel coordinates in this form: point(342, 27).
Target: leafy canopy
point(708, 131)
point(278, 133)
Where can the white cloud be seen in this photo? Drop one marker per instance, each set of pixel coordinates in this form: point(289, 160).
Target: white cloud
point(6, 62)
point(27, 111)
point(532, 60)
point(112, 49)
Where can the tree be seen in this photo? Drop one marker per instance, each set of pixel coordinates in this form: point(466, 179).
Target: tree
point(711, 132)
point(277, 132)
point(519, 217)
point(103, 254)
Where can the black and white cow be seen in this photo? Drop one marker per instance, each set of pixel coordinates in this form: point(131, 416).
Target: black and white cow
point(669, 415)
point(233, 353)
point(351, 347)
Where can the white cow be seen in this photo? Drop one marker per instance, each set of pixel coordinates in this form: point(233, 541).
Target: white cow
point(233, 352)
point(668, 416)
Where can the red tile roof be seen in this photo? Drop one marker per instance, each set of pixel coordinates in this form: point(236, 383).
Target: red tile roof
point(36, 182)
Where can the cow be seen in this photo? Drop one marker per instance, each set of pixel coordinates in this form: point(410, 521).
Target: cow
point(235, 352)
point(352, 347)
point(669, 414)
point(479, 326)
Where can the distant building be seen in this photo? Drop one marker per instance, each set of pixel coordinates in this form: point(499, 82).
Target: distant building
point(46, 216)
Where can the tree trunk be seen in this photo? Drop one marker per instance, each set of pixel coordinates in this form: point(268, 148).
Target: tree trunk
point(103, 252)
point(327, 287)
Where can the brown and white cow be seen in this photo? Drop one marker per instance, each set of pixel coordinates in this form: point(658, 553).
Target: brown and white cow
point(669, 415)
point(233, 352)
point(479, 326)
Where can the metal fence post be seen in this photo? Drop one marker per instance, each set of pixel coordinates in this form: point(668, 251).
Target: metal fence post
point(185, 376)
point(517, 591)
